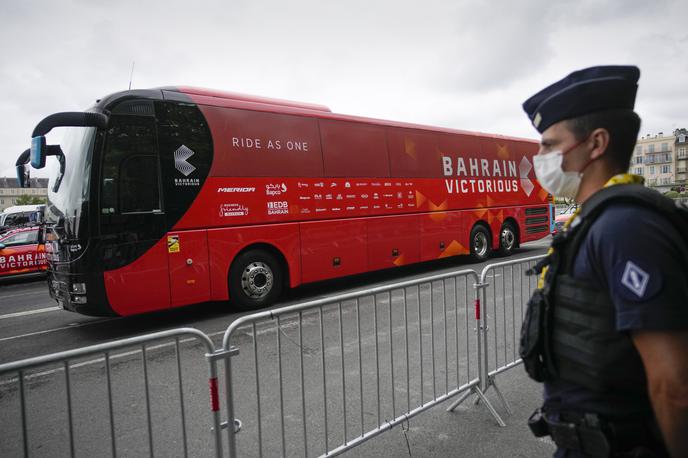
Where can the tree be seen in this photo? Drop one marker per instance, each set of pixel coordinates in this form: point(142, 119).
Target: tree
point(29, 200)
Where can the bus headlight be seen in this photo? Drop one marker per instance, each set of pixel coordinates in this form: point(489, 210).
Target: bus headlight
point(79, 288)
point(78, 299)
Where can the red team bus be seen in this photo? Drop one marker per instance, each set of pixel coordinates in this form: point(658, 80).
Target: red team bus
point(166, 197)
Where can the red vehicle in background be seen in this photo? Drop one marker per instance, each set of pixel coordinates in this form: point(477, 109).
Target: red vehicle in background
point(166, 197)
point(22, 252)
point(561, 219)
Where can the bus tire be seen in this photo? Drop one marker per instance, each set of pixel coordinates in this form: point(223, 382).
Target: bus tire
point(255, 280)
point(508, 239)
point(481, 243)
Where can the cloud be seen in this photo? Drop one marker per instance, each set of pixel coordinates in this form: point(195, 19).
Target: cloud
point(465, 64)
point(494, 45)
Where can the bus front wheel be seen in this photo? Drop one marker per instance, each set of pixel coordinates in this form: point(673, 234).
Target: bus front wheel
point(255, 280)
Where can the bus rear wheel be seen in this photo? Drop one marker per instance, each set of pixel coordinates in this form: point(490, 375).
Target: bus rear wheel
point(255, 280)
point(508, 240)
point(480, 243)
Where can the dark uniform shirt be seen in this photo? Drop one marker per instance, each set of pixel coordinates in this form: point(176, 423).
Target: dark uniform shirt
point(633, 253)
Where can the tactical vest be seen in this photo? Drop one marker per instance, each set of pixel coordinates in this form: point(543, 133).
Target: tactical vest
point(569, 330)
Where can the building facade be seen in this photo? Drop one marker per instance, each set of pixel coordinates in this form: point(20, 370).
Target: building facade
point(10, 190)
point(662, 159)
point(655, 155)
point(681, 148)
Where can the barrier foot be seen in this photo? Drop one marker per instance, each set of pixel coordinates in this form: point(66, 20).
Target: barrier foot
point(494, 413)
point(481, 397)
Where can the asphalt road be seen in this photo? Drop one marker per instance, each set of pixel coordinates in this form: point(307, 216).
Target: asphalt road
point(31, 325)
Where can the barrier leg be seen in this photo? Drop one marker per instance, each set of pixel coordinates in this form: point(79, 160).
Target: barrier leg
point(476, 401)
point(480, 396)
point(232, 425)
point(458, 402)
point(501, 397)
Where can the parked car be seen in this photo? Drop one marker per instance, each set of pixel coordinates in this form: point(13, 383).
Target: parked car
point(562, 217)
point(21, 216)
point(22, 252)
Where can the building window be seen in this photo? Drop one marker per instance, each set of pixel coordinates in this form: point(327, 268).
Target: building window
point(651, 148)
point(639, 171)
point(639, 149)
point(665, 147)
point(652, 170)
point(666, 169)
point(638, 159)
point(682, 152)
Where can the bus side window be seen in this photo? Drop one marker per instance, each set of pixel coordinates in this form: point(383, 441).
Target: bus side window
point(138, 176)
point(130, 167)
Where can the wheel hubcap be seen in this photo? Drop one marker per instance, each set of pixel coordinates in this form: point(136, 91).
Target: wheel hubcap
point(480, 244)
point(257, 280)
point(508, 239)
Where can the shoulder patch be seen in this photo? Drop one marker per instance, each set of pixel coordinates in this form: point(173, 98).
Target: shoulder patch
point(635, 279)
point(636, 282)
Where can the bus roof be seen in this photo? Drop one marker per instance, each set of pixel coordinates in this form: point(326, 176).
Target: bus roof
point(231, 99)
point(250, 102)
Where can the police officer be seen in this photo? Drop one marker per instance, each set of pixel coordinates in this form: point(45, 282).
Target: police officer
point(611, 337)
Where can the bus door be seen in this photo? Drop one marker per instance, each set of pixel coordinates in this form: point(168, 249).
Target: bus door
point(185, 146)
point(188, 259)
point(132, 218)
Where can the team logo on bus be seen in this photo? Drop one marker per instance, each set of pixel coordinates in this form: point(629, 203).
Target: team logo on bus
point(233, 210)
point(524, 169)
point(278, 208)
point(180, 160)
point(275, 189)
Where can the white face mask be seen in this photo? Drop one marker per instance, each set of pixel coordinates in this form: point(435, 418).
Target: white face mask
point(552, 178)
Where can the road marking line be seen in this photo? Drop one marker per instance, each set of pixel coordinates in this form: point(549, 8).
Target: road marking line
point(29, 312)
point(35, 333)
point(23, 294)
point(47, 331)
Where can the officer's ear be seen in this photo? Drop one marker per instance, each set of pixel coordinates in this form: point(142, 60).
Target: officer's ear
point(598, 142)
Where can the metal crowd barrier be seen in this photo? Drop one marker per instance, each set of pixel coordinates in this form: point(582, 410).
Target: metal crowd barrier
point(504, 290)
point(321, 377)
point(316, 378)
point(100, 408)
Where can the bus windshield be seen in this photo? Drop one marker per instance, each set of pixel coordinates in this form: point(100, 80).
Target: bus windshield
point(66, 204)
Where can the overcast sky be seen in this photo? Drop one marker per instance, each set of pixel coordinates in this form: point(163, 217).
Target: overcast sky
point(465, 64)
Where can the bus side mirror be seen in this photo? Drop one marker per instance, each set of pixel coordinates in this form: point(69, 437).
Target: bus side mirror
point(2, 246)
point(21, 176)
point(38, 152)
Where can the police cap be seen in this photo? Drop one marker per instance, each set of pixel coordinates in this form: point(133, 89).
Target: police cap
point(582, 92)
